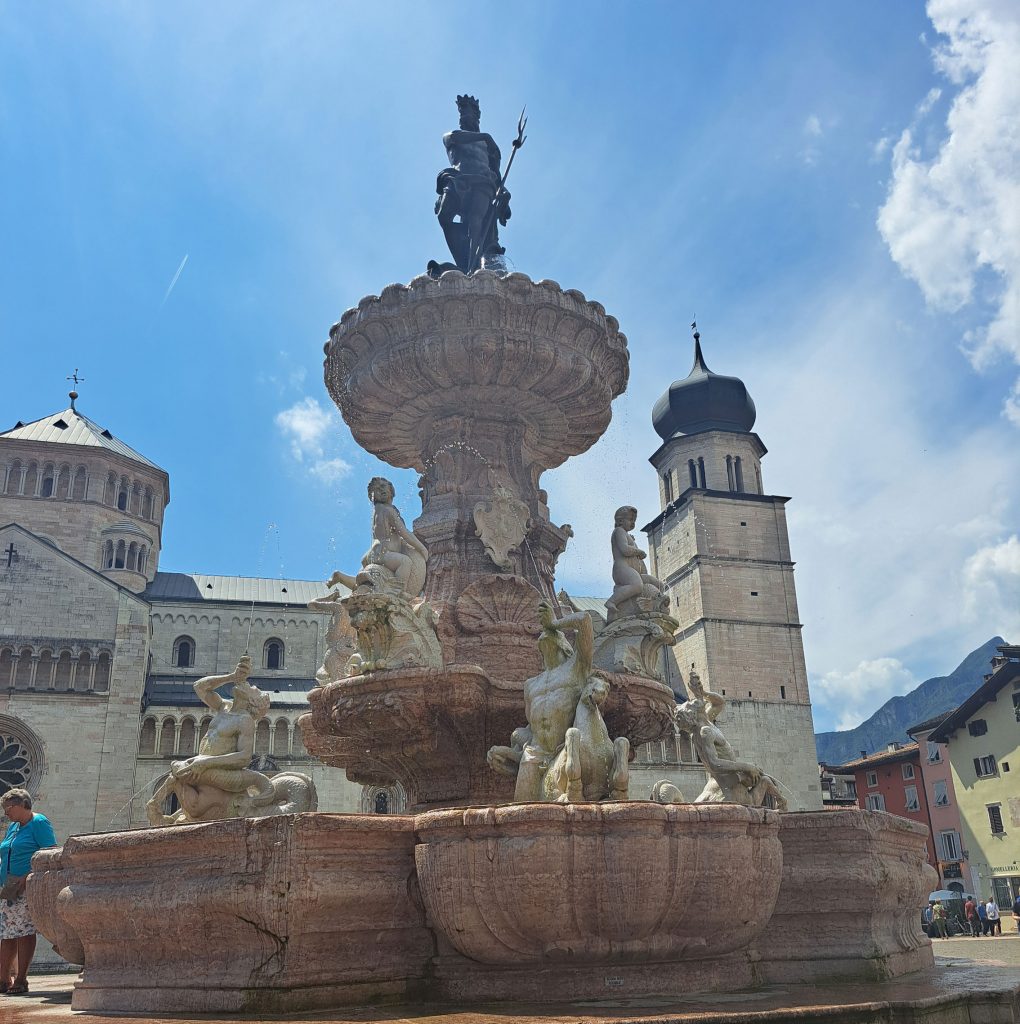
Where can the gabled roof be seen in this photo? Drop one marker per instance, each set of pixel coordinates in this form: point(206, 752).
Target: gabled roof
point(1007, 670)
point(903, 753)
point(71, 427)
point(929, 723)
point(193, 586)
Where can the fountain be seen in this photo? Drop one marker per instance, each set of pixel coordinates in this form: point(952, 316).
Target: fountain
point(523, 872)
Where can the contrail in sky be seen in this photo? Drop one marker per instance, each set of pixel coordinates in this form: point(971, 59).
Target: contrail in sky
point(174, 281)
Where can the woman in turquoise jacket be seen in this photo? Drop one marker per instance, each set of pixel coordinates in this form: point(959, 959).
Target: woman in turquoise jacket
point(27, 833)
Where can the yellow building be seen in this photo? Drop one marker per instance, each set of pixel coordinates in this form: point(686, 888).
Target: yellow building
point(983, 737)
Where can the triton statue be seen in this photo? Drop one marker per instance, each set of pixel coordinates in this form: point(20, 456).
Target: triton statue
point(472, 194)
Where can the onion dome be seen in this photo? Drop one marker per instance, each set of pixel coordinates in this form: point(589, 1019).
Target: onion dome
point(703, 401)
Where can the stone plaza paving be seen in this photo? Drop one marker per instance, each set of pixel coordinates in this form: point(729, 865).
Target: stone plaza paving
point(962, 965)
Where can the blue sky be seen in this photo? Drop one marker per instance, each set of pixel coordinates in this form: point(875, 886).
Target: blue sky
point(831, 188)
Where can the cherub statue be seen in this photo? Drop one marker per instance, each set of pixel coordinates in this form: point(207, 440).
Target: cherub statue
point(395, 563)
point(730, 780)
point(635, 590)
point(338, 643)
point(217, 782)
point(564, 754)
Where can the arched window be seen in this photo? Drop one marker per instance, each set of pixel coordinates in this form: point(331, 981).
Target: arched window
point(147, 504)
point(136, 498)
point(667, 485)
point(63, 680)
point(110, 491)
point(64, 482)
point(81, 483)
point(32, 480)
point(757, 479)
point(272, 653)
point(120, 555)
point(297, 744)
point(701, 472)
point(122, 495)
point(81, 676)
point(108, 555)
point(23, 671)
point(14, 477)
point(382, 802)
point(281, 739)
point(168, 738)
point(693, 472)
point(262, 737)
point(184, 652)
point(738, 475)
point(147, 737)
point(103, 672)
point(44, 671)
point(132, 556)
point(45, 485)
point(188, 737)
point(6, 666)
point(729, 472)
point(143, 557)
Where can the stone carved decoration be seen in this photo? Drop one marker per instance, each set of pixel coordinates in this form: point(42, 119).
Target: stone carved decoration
point(635, 592)
point(502, 524)
point(217, 782)
point(475, 381)
point(564, 754)
point(334, 662)
point(393, 628)
point(730, 780)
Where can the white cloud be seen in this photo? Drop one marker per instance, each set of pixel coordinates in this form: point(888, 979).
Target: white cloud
point(952, 219)
point(308, 426)
point(813, 127)
point(991, 578)
point(813, 132)
point(853, 696)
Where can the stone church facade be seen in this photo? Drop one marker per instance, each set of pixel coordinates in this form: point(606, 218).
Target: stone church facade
point(99, 649)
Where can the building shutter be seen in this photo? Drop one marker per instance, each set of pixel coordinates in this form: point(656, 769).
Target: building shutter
point(977, 766)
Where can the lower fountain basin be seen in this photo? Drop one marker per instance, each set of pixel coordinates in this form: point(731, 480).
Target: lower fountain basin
point(598, 883)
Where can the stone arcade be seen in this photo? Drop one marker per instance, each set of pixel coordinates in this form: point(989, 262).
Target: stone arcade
point(481, 382)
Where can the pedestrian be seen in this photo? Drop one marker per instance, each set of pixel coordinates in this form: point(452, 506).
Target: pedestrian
point(982, 917)
point(27, 833)
point(993, 917)
point(971, 915)
point(1016, 912)
point(938, 913)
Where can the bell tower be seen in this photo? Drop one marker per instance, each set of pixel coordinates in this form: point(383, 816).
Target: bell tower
point(720, 545)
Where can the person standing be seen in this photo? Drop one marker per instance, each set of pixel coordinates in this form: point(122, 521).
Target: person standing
point(982, 917)
point(971, 915)
point(1016, 912)
point(992, 916)
point(938, 914)
point(27, 833)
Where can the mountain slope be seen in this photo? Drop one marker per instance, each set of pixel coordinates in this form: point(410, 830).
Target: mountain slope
point(891, 721)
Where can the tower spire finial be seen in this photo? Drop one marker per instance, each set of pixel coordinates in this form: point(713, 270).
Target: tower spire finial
point(73, 394)
point(699, 359)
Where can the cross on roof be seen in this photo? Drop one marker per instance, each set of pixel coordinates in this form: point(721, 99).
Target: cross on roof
point(77, 380)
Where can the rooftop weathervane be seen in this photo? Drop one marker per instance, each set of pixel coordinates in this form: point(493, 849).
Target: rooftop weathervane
point(473, 198)
point(77, 380)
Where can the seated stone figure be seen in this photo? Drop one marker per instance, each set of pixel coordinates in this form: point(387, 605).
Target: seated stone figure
point(217, 782)
point(635, 590)
point(395, 563)
point(730, 780)
point(393, 627)
point(565, 754)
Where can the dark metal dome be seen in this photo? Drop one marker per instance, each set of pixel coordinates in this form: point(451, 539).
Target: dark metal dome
point(703, 401)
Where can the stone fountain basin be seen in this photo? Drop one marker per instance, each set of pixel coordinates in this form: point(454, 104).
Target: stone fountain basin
point(598, 883)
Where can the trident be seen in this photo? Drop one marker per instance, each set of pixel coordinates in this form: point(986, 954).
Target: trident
point(490, 217)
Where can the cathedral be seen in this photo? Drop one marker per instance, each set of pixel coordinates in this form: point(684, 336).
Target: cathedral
point(99, 649)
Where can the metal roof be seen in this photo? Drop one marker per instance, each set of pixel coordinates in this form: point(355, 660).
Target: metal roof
point(902, 753)
point(588, 604)
point(179, 691)
point(193, 586)
point(71, 427)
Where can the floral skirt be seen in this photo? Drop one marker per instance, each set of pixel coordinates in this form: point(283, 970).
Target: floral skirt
point(15, 921)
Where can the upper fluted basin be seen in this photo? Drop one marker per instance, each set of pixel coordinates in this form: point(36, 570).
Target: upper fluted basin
point(500, 347)
point(591, 883)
